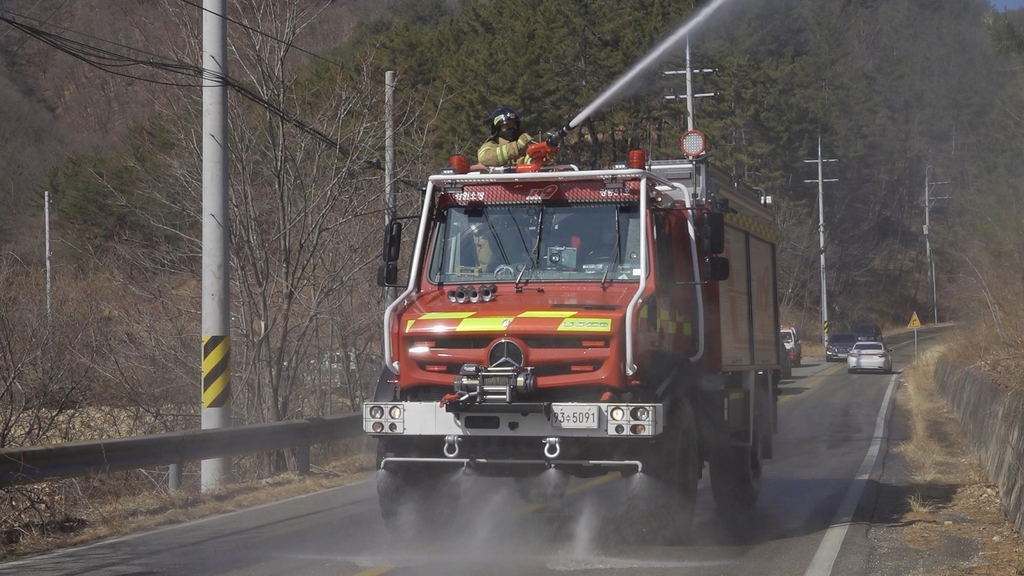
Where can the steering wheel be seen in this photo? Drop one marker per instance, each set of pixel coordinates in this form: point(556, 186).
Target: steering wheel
point(504, 272)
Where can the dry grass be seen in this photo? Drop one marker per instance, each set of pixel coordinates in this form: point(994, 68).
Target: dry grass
point(114, 516)
point(919, 505)
point(928, 449)
point(951, 497)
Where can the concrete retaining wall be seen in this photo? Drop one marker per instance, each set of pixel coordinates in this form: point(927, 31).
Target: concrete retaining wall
point(992, 417)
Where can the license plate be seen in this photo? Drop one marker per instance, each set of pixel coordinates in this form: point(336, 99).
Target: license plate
point(574, 416)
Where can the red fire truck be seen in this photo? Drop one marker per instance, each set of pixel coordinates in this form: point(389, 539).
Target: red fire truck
point(581, 321)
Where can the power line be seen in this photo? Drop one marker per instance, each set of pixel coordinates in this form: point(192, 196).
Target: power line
point(112, 62)
point(72, 31)
point(25, 41)
point(264, 34)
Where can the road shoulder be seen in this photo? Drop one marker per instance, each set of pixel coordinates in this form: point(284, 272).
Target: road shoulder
point(934, 512)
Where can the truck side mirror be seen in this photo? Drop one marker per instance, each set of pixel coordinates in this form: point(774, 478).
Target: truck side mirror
point(387, 274)
point(716, 269)
point(712, 232)
point(392, 241)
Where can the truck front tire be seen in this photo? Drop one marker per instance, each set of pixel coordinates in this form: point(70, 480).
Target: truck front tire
point(663, 496)
point(736, 476)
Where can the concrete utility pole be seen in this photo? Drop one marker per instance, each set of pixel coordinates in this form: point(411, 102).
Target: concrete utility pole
point(46, 220)
point(689, 72)
point(821, 237)
point(216, 395)
point(389, 161)
point(928, 201)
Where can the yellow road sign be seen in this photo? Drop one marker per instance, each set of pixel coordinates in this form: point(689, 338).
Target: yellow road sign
point(915, 322)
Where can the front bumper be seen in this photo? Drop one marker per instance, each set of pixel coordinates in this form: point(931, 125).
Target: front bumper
point(836, 355)
point(515, 420)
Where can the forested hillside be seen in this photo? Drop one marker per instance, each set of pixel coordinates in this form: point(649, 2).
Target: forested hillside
point(895, 90)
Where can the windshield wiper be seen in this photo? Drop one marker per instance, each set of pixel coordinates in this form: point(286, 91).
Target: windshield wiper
point(618, 249)
point(535, 253)
point(497, 240)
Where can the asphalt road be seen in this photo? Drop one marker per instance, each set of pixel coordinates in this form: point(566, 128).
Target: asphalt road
point(832, 435)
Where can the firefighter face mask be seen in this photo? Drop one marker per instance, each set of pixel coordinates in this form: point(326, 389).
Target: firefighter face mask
point(510, 131)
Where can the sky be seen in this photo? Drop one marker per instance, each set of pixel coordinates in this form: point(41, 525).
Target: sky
point(1008, 4)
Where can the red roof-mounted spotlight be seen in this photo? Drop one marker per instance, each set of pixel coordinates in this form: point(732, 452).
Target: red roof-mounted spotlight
point(460, 164)
point(637, 159)
point(693, 143)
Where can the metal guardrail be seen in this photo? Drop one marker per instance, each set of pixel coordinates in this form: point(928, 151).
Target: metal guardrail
point(40, 463)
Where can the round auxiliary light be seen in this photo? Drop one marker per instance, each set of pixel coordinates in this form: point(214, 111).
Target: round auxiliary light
point(641, 413)
point(376, 412)
point(637, 159)
point(619, 429)
point(392, 427)
point(395, 412)
point(378, 427)
point(617, 413)
point(693, 143)
point(638, 429)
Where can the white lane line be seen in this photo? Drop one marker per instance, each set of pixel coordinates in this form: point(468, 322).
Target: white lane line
point(825, 557)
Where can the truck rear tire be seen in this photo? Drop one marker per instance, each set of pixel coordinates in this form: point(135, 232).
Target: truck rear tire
point(663, 496)
point(736, 477)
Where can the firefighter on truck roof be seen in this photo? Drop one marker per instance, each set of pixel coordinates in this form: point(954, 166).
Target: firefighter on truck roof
point(508, 143)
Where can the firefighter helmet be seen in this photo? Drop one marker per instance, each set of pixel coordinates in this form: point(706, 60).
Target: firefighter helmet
point(501, 116)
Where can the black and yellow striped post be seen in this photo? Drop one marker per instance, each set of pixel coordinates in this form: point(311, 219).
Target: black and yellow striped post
point(216, 372)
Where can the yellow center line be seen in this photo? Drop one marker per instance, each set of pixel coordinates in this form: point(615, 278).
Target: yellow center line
point(378, 570)
point(814, 382)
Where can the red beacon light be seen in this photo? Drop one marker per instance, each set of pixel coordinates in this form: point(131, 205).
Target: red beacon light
point(459, 164)
point(637, 159)
point(693, 143)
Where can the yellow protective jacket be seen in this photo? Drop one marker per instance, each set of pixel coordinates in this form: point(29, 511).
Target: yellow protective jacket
point(497, 151)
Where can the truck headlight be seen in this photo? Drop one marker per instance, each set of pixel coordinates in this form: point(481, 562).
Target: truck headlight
point(376, 412)
point(641, 413)
point(617, 413)
point(395, 412)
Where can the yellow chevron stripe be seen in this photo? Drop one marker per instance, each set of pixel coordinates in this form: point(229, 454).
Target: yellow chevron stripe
point(753, 226)
point(546, 314)
point(485, 324)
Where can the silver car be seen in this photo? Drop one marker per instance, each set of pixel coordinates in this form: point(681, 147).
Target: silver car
point(869, 356)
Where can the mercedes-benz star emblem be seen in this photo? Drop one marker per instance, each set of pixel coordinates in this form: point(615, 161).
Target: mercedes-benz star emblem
point(504, 353)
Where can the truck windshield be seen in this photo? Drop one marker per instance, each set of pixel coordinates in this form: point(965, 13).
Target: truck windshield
point(542, 242)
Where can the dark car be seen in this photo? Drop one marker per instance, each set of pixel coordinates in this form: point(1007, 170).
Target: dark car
point(839, 345)
point(867, 332)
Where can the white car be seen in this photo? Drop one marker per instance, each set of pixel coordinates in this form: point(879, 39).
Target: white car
point(869, 356)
